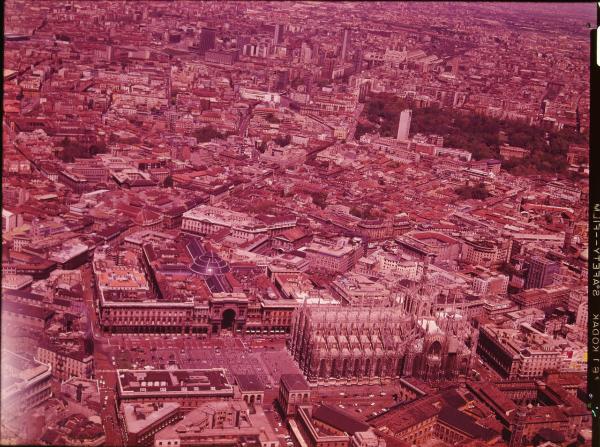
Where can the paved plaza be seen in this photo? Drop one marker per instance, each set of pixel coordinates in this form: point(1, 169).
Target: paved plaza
point(266, 359)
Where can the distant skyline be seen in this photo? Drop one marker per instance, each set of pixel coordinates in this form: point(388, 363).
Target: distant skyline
point(295, 223)
point(584, 10)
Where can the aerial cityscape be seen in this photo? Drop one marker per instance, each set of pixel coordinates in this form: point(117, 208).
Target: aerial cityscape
point(295, 224)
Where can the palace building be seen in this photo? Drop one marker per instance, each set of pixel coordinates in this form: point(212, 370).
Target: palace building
point(183, 286)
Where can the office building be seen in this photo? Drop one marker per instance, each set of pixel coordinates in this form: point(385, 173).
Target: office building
point(345, 43)
point(188, 387)
point(208, 38)
point(541, 273)
point(293, 391)
point(10, 220)
point(278, 35)
point(219, 424)
point(25, 383)
point(226, 57)
point(141, 421)
point(521, 353)
point(251, 388)
point(325, 425)
point(66, 361)
point(404, 125)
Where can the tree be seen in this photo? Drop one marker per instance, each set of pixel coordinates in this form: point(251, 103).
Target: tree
point(72, 150)
point(206, 134)
point(272, 118)
point(283, 141)
point(88, 345)
point(362, 129)
point(367, 212)
point(558, 144)
point(481, 135)
point(98, 148)
point(297, 82)
point(508, 269)
point(478, 192)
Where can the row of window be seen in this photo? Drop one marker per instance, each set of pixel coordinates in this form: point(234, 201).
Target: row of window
point(150, 313)
point(134, 321)
point(27, 318)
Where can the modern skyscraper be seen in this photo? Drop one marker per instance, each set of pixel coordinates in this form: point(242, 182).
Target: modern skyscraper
point(358, 58)
point(278, 36)
point(541, 272)
point(404, 125)
point(208, 38)
point(305, 53)
point(568, 238)
point(364, 89)
point(345, 44)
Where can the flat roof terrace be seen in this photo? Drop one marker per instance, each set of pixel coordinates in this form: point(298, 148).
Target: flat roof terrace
point(181, 382)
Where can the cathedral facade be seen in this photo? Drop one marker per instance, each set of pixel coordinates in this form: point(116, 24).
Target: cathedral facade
point(369, 345)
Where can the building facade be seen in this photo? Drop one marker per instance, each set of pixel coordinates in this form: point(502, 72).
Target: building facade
point(293, 391)
point(367, 345)
point(404, 125)
point(66, 364)
point(29, 387)
point(541, 272)
point(188, 387)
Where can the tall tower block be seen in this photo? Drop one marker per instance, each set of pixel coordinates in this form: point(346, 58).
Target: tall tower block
point(404, 125)
point(278, 34)
point(344, 44)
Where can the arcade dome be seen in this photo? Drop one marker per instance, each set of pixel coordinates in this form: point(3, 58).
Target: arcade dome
point(210, 264)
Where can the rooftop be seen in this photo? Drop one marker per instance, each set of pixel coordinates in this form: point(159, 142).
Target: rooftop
point(181, 381)
point(338, 419)
point(249, 382)
point(139, 416)
point(294, 382)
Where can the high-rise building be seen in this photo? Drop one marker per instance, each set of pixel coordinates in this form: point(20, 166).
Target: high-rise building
point(278, 35)
point(345, 44)
point(10, 220)
point(541, 272)
point(581, 317)
point(208, 38)
point(568, 237)
point(404, 125)
point(363, 90)
point(358, 58)
point(241, 41)
point(305, 53)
